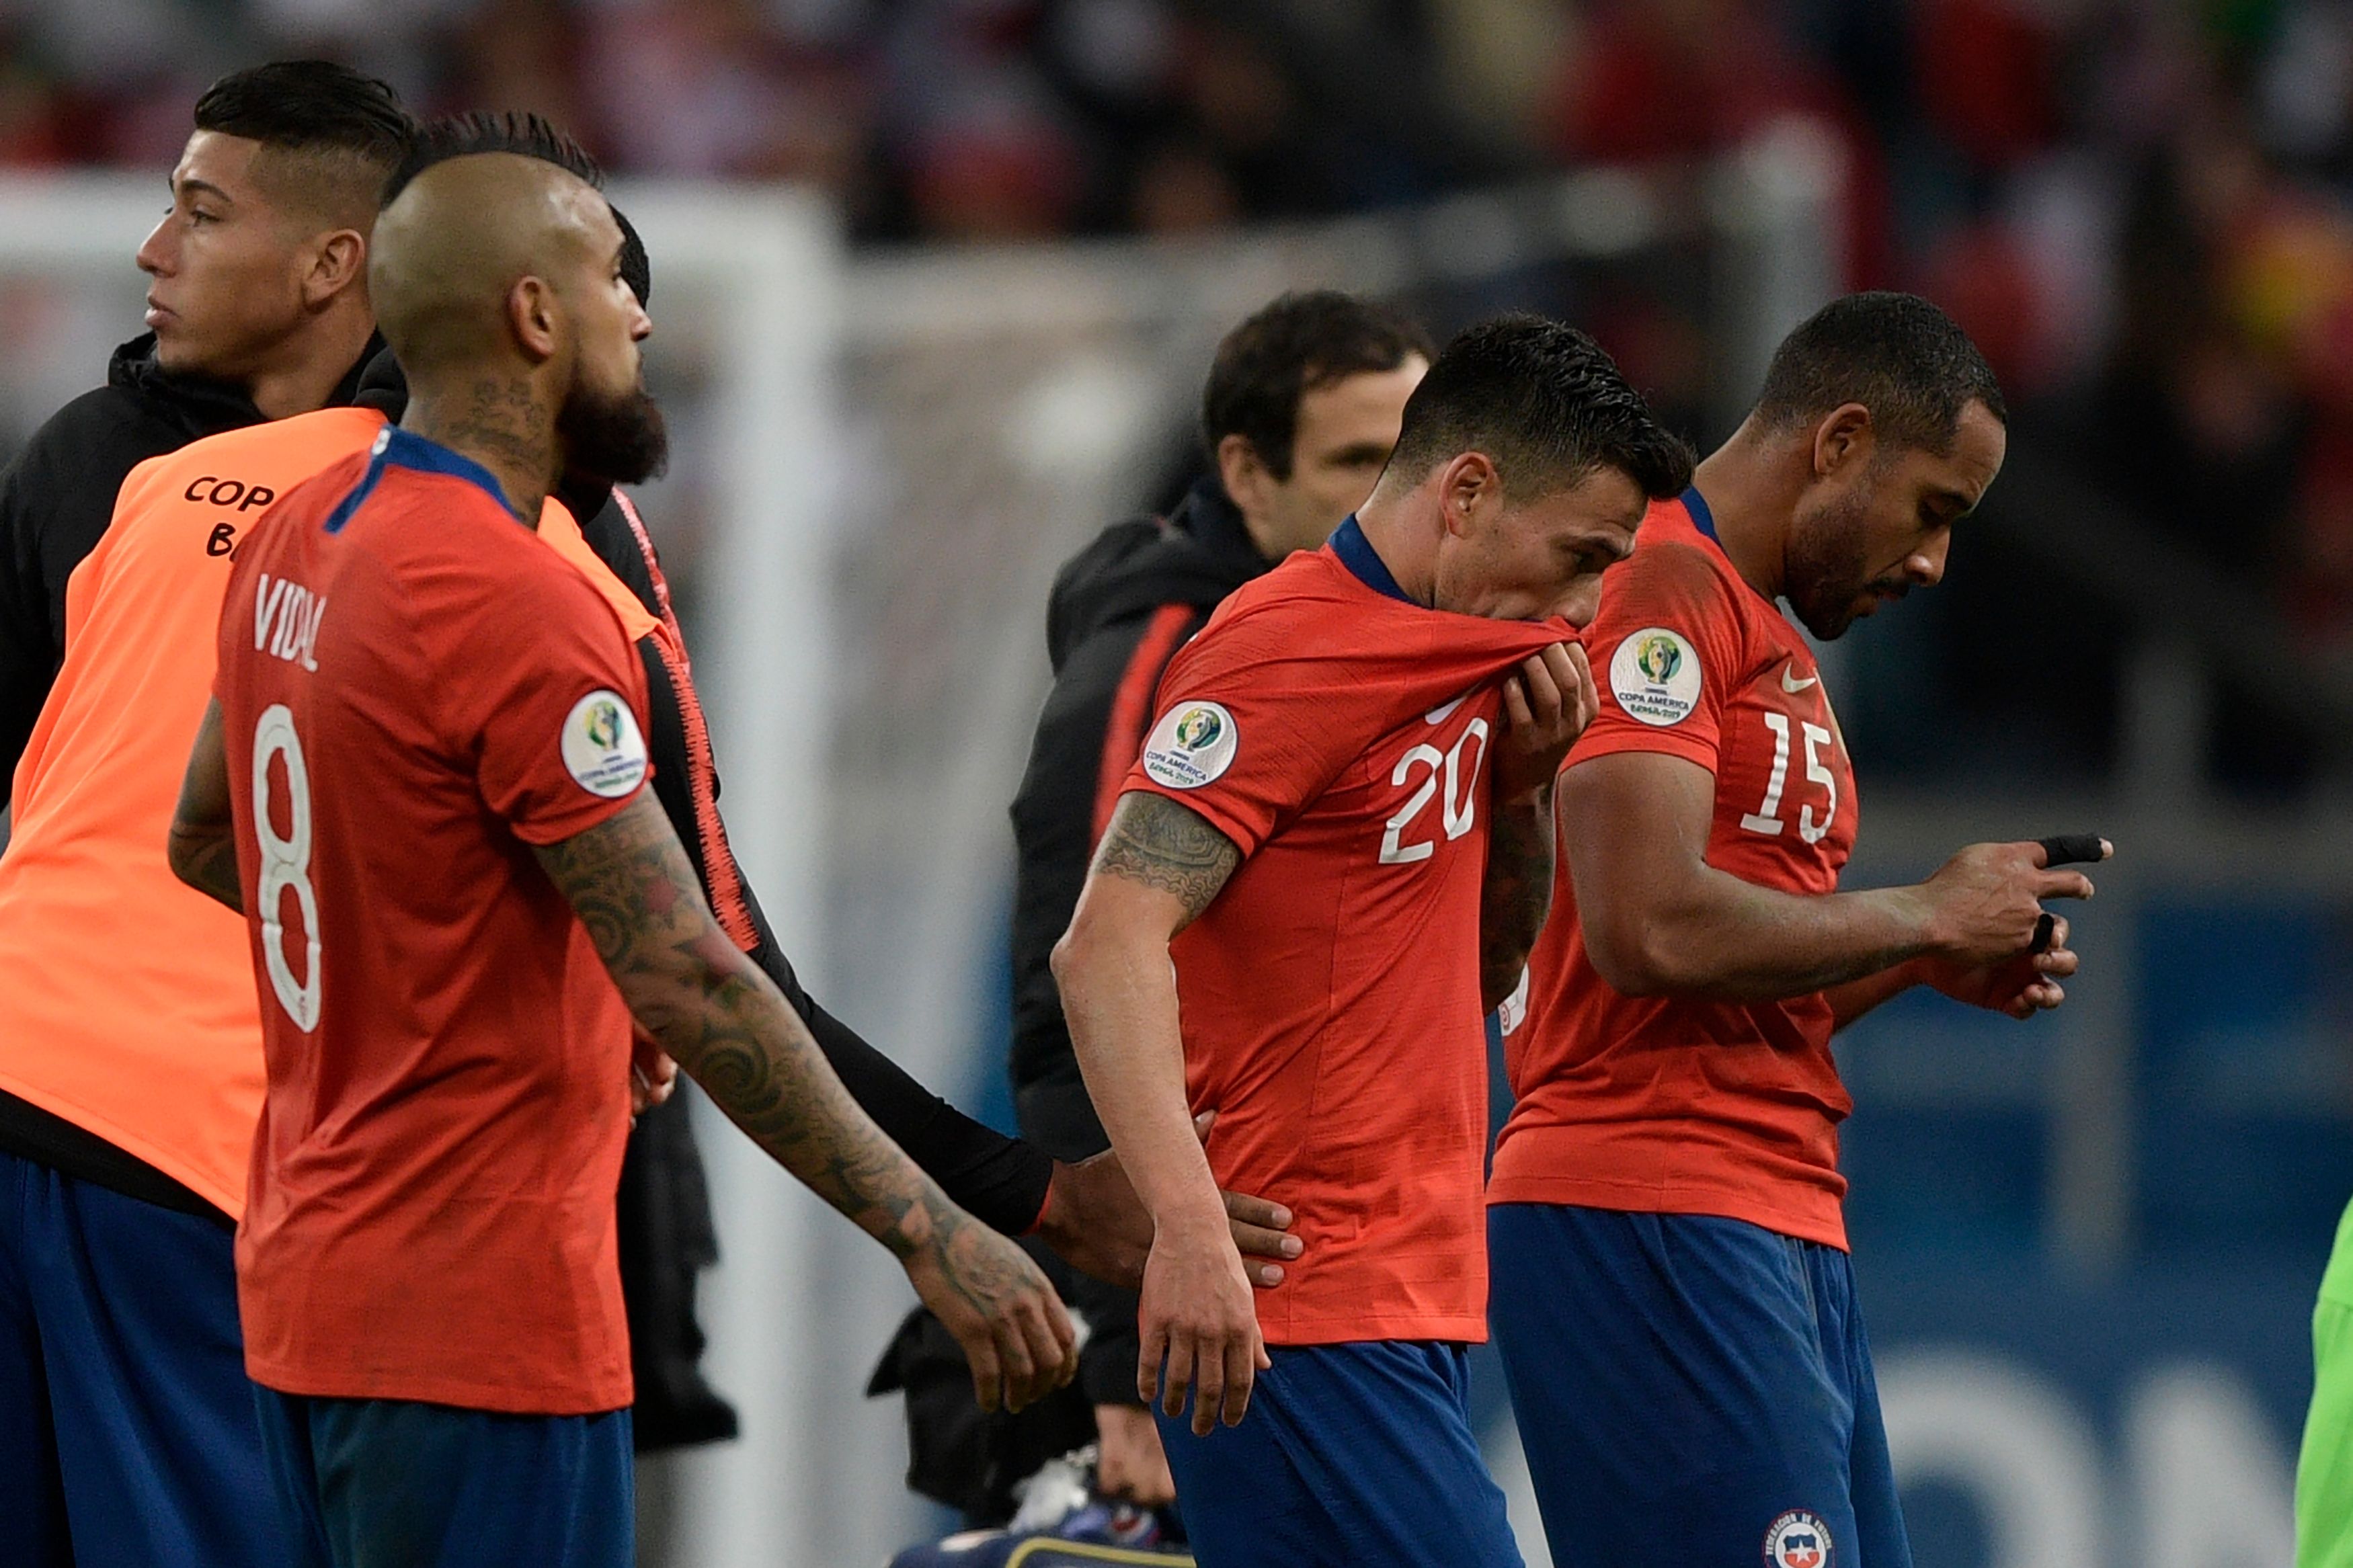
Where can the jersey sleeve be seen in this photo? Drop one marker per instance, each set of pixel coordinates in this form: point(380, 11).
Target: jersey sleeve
point(1666, 653)
point(1254, 720)
point(556, 704)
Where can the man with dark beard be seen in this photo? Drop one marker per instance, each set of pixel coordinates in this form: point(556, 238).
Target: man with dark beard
point(423, 778)
point(1673, 1294)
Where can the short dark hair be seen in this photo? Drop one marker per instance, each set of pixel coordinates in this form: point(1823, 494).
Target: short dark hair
point(464, 135)
point(1300, 342)
point(314, 108)
point(1543, 401)
point(1897, 355)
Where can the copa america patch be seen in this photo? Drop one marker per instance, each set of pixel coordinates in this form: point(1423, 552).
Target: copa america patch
point(1797, 1540)
point(1654, 675)
point(1192, 745)
point(604, 751)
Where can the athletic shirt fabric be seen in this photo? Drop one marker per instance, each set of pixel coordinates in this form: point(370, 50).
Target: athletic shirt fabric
point(431, 1202)
point(1339, 735)
point(1661, 1105)
point(129, 1007)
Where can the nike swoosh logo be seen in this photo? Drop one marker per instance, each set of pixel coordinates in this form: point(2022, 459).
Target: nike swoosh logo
point(1439, 715)
point(1794, 686)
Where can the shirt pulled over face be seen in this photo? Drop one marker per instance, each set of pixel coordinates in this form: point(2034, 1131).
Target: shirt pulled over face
point(1342, 737)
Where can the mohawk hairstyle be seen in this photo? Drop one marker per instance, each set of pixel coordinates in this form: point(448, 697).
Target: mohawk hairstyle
point(464, 135)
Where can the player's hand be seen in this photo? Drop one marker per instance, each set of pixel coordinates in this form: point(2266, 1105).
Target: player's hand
point(1097, 1225)
point(1547, 703)
point(1197, 1316)
point(653, 1077)
point(2020, 986)
point(1130, 1464)
point(1985, 904)
point(1016, 1335)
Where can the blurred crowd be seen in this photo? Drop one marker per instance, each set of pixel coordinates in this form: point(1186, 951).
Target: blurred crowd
point(2139, 207)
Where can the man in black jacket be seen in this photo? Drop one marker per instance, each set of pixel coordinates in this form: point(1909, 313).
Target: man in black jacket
point(1302, 405)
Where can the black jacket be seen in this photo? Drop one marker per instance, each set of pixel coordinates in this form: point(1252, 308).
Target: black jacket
point(1121, 608)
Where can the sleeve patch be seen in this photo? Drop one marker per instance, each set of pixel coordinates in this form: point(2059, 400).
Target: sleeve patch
point(1655, 676)
point(604, 751)
point(1193, 745)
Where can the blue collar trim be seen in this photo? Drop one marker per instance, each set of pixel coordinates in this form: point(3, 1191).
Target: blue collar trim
point(1358, 554)
point(1701, 518)
point(414, 451)
point(395, 446)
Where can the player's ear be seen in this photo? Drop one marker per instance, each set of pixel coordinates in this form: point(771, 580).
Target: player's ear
point(338, 260)
point(1840, 437)
point(532, 315)
point(1470, 481)
point(1241, 472)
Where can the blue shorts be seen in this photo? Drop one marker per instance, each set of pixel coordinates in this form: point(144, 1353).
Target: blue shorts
point(1691, 1391)
point(1349, 1455)
point(383, 1483)
point(126, 1423)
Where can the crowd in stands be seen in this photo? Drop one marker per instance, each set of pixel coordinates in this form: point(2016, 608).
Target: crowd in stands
point(2137, 206)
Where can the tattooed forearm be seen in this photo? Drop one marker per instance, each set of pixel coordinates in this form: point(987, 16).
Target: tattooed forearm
point(1153, 841)
point(729, 1028)
point(206, 859)
point(1516, 897)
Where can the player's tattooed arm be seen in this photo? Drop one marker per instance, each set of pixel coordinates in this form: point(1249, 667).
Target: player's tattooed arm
point(1154, 840)
point(1516, 897)
point(203, 848)
point(728, 1026)
point(1160, 864)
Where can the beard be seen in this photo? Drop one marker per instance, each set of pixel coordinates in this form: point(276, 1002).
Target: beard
point(1828, 569)
point(619, 437)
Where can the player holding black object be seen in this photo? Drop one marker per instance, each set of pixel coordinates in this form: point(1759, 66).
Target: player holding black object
point(1673, 1294)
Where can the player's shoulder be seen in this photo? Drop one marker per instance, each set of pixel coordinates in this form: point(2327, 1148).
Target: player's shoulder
point(243, 472)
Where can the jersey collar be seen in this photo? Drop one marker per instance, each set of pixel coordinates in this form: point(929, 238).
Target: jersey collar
point(408, 450)
point(1701, 518)
point(1358, 554)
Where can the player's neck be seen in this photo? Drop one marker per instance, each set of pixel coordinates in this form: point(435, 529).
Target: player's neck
point(301, 376)
point(1410, 554)
point(501, 421)
point(1751, 500)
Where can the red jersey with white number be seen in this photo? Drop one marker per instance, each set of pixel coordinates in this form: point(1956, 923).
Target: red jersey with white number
point(1662, 1105)
point(415, 691)
point(1340, 735)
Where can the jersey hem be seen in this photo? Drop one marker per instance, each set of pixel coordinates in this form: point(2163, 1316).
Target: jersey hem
point(1242, 837)
point(541, 833)
point(163, 1159)
point(502, 1399)
point(1650, 1197)
point(1470, 1329)
point(1653, 744)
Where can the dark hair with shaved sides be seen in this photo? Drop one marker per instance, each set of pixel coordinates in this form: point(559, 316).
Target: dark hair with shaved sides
point(336, 136)
point(1294, 346)
point(1546, 404)
point(1897, 354)
point(465, 135)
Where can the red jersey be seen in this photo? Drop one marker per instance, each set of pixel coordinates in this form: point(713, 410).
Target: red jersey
point(1338, 733)
point(1662, 1105)
point(415, 691)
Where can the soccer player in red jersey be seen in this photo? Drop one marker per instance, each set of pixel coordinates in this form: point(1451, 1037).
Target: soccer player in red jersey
point(1306, 838)
point(1674, 1296)
point(423, 779)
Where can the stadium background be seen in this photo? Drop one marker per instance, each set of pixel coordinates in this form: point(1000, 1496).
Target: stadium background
point(936, 284)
